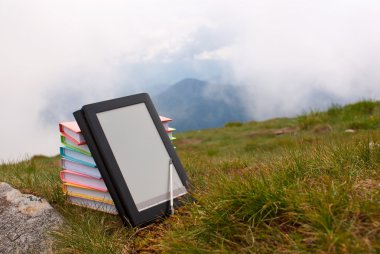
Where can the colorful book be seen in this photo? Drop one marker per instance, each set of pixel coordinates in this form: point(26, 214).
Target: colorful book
point(73, 155)
point(83, 180)
point(85, 192)
point(165, 122)
point(71, 131)
point(92, 204)
point(80, 167)
point(80, 148)
point(169, 131)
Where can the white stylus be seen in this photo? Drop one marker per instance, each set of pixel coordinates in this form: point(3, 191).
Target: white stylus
point(171, 185)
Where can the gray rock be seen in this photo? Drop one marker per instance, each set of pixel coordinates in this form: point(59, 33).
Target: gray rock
point(25, 221)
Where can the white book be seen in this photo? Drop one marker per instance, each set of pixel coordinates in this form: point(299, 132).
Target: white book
point(80, 168)
point(100, 206)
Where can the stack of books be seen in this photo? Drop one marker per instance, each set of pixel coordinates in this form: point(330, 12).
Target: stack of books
point(81, 179)
point(165, 122)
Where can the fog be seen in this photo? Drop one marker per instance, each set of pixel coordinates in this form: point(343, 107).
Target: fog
point(56, 56)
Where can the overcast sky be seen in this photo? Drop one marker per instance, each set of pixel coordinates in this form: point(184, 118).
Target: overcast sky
point(57, 55)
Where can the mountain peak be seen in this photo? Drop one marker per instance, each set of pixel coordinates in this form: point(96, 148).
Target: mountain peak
point(196, 104)
point(189, 85)
point(190, 81)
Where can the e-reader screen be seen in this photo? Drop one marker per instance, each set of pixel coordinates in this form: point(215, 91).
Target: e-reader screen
point(140, 154)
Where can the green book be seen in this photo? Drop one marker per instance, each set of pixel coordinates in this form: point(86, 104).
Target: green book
point(79, 148)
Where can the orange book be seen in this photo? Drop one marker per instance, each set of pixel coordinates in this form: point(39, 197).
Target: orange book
point(79, 191)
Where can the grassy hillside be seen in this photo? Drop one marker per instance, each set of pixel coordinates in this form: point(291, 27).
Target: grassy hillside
point(291, 185)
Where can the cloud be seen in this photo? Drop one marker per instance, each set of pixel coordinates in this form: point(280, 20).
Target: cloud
point(292, 55)
point(223, 53)
point(290, 49)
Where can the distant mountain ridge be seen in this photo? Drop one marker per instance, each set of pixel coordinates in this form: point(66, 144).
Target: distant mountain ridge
point(196, 104)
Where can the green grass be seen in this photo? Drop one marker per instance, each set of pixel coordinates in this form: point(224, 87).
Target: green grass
point(289, 185)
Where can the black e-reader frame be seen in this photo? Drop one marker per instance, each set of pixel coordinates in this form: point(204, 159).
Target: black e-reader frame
point(100, 124)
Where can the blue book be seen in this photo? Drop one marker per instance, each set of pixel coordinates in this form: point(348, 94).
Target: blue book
point(73, 155)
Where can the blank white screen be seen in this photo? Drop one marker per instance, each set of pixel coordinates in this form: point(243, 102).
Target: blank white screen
point(140, 154)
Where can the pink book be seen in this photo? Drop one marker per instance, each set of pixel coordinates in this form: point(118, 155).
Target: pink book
point(165, 122)
point(84, 180)
point(71, 131)
point(165, 119)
